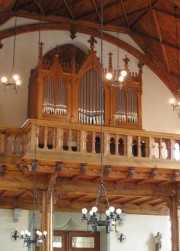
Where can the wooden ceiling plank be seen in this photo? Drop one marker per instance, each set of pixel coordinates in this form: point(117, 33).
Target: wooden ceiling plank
point(5, 4)
point(125, 15)
point(4, 18)
point(67, 206)
point(4, 193)
point(96, 9)
point(16, 5)
point(22, 195)
point(154, 39)
point(146, 10)
point(160, 36)
point(69, 10)
point(40, 7)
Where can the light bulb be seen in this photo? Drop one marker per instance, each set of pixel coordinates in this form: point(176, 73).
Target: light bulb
point(84, 211)
point(4, 79)
point(38, 232)
point(118, 211)
point(18, 82)
point(22, 232)
point(29, 233)
point(15, 77)
point(45, 233)
point(172, 101)
point(91, 212)
point(121, 78)
point(26, 231)
point(111, 209)
point(108, 212)
point(124, 73)
point(109, 76)
point(94, 209)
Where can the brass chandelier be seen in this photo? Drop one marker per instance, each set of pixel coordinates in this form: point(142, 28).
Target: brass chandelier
point(13, 82)
point(95, 218)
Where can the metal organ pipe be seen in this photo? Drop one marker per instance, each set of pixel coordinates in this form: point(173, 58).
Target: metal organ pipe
point(89, 93)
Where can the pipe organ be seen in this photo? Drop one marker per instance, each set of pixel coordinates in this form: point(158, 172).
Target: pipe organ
point(66, 85)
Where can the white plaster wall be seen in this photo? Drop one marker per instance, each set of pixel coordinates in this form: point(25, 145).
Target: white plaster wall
point(7, 226)
point(138, 229)
point(156, 111)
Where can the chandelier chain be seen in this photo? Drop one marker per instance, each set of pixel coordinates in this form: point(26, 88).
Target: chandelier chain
point(14, 44)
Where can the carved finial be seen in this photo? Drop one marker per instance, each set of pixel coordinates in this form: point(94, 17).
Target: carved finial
point(1, 45)
point(41, 49)
point(126, 62)
point(140, 65)
point(92, 42)
point(73, 32)
point(110, 61)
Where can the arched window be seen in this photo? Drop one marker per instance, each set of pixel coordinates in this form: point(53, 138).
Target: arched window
point(89, 143)
point(121, 147)
point(143, 148)
point(134, 148)
point(97, 144)
point(112, 146)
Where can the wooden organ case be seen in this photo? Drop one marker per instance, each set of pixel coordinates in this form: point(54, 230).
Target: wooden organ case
point(66, 86)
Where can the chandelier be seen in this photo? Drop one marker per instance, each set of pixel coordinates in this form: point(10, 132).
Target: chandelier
point(95, 218)
point(116, 77)
point(174, 103)
point(13, 82)
point(33, 235)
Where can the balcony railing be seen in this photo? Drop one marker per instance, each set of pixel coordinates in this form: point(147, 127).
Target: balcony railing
point(70, 137)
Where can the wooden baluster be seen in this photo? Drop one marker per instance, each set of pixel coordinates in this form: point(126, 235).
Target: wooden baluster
point(93, 143)
point(45, 137)
point(33, 137)
point(69, 140)
point(160, 149)
point(13, 144)
point(139, 147)
point(172, 145)
point(83, 139)
point(116, 145)
point(129, 146)
point(106, 144)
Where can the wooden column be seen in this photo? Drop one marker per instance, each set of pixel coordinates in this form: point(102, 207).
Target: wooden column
point(47, 212)
point(172, 204)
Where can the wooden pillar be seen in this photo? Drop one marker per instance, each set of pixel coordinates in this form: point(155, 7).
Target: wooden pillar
point(47, 210)
point(172, 204)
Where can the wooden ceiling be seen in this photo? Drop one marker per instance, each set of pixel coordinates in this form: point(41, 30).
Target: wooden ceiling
point(139, 190)
point(150, 23)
